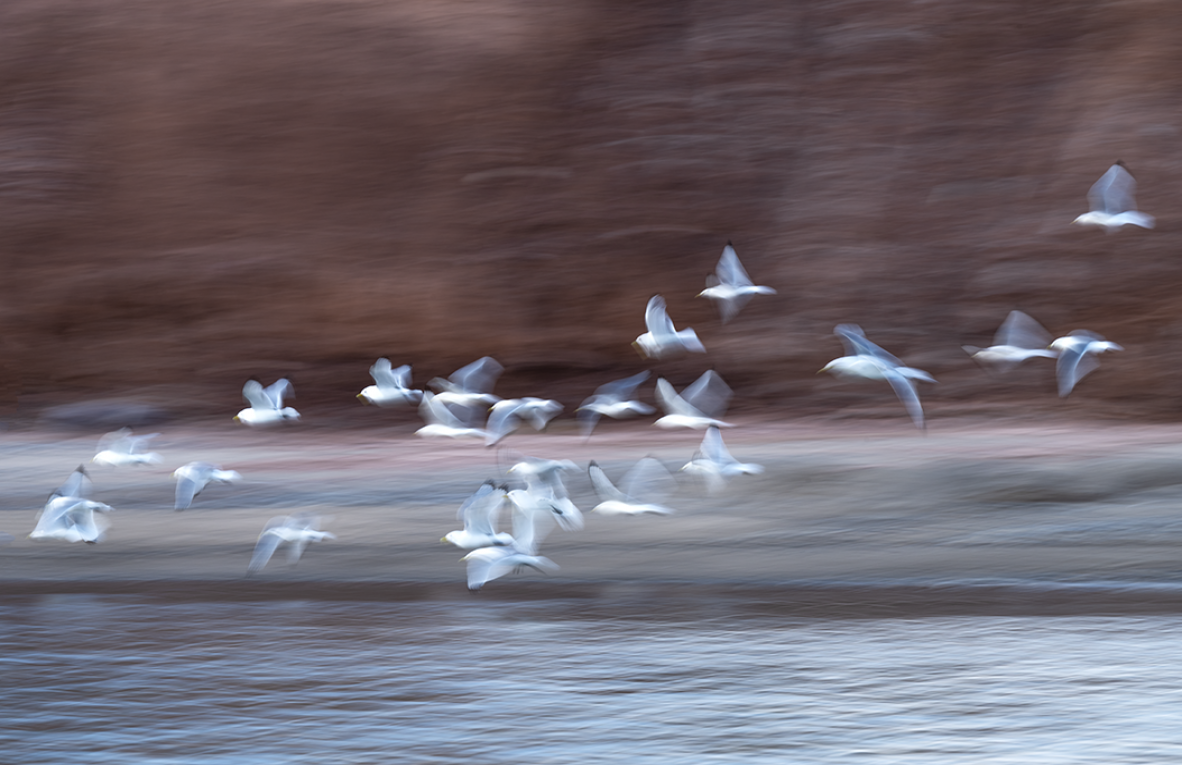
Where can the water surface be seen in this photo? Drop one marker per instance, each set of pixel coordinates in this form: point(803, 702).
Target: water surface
point(128, 680)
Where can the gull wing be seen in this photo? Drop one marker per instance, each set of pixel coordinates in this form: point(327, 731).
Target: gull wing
point(478, 377)
point(77, 485)
point(1021, 331)
point(648, 481)
point(671, 402)
point(503, 419)
point(905, 389)
point(1074, 364)
point(186, 489)
point(531, 525)
point(730, 270)
point(856, 344)
point(656, 318)
point(713, 449)
point(1113, 193)
point(81, 517)
point(603, 486)
point(540, 411)
point(479, 511)
point(277, 390)
point(256, 396)
point(54, 516)
point(386, 377)
point(268, 542)
point(118, 441)
point(622, 390)
point(709, 394)
point(436, 412)
point(588, 419)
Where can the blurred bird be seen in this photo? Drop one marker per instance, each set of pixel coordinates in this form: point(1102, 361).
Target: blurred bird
point(446, 420)
point(1112, 203)
point(1077, 357)
point(191, 479)
point(506, 416)
point(730, 287)
point(613, 399)
point(296, 530)
point(533, 519)
point(545, 493)
point(662, 340)
point(470, 385)
point(266, 404)
point(69, 515)
point(1019, 338)
point(716, 465)
point(699, 406)
point(865, 360)
point(122, 448)
point(391, 386)
point(642, 489)
point(479, 514)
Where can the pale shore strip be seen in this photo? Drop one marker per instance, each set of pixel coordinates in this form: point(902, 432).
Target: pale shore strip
point(862, 518)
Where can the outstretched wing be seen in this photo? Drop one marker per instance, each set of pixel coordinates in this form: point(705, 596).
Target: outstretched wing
point(277, 390)
point(730, 270)
point(709, 394)
point(478, 377)
point(656, 318)
point(603, 486)
point(648, 481)
point(265, 547)
point(1021, 331)
point(77, 485)
point(1113, 193)
point(625, 389)
point(856, 344)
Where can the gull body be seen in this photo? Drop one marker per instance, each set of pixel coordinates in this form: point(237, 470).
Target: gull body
point(715, 465)
point(448, 421)
point(69, 515)
point(506, 416)
point(1019, 338)
point(699, 406)
point(642, 489)
point(122, 448)
point(1077, 357)
point(545, 493)
point(730, 287)
point(296, 530)
point(470, 385)
point(191, 479)
point(662, 340)
point(266, 404)
point(479, 514)
point(613, 399)
point(869, 362)
point(391, 386)
point(1112, 203)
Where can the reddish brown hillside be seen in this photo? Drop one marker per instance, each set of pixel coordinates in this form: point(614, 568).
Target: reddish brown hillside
point(192, 193)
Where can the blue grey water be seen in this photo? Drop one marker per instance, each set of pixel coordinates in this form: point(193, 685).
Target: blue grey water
point(129, 680)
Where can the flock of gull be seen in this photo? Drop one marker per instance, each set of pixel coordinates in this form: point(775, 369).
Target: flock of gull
point(531, 491)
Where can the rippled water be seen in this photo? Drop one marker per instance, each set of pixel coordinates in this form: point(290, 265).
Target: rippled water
point(126, 680)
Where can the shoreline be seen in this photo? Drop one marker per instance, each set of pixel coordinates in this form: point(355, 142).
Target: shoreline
point(659, 599)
